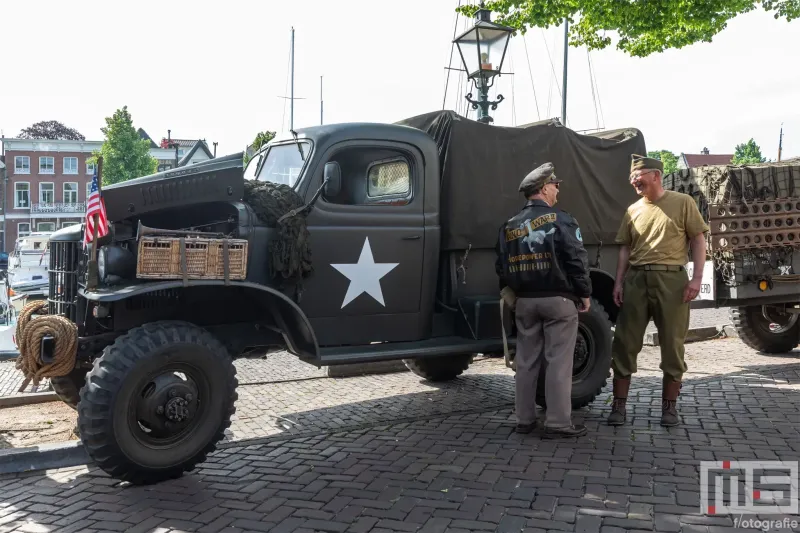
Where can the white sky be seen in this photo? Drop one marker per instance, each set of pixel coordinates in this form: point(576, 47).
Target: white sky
point(215, 70)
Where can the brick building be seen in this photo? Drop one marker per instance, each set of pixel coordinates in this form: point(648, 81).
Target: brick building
point(48, 181)
point(704, 158)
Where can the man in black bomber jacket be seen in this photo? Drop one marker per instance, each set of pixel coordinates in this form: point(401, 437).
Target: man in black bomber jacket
point(544, 276)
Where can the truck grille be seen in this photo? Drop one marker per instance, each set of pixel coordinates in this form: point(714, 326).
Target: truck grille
point(63, 271)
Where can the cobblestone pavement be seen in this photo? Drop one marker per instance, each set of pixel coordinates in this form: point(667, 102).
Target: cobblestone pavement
point(452, 472)
point(259, 370)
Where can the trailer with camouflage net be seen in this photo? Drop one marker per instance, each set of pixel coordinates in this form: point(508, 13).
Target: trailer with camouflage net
point(753, 247)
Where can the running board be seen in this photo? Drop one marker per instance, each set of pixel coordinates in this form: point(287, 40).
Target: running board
point(388, 351)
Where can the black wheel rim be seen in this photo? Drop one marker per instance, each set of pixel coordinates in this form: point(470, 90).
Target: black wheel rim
point(775, 320)
point(168, 405)
point(585, 345)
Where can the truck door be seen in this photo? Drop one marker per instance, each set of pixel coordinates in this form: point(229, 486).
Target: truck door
point(367, 246)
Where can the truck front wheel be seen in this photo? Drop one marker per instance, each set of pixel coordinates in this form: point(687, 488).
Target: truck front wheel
point(767, 329)
point(157, 402)
point(442, 368)
point(591, 360)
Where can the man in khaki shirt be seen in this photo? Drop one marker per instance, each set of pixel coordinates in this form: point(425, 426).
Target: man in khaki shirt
point(652, 283)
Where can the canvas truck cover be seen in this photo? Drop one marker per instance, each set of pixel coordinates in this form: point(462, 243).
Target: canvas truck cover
point(482, 166)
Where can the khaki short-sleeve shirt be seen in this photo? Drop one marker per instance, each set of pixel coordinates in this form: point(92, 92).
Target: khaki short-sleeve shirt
point(658, 233)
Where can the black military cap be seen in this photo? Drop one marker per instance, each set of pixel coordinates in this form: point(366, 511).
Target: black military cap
point(538, 178)
point(640, 162)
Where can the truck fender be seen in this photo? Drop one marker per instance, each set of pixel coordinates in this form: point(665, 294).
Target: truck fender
point(291, 320)
point(603, 292)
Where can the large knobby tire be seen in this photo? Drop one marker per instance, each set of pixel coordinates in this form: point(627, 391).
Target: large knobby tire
point(442, 368)
point(754, 330)
point(157, 402)
point(69, 387)
point(592, 358)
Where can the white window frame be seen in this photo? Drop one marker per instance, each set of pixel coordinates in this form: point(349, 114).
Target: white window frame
point(90, 168)
point(45, 158)
point(68, 223)
point(52, 191)
point(64, 192)
point(16, 195)
point(21, 233)
point(88, 189)
point(17, 168)
point(39, 226)
point(70, 171)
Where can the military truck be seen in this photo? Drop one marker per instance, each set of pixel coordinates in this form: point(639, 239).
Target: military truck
point(752, 266)
point(340, 244)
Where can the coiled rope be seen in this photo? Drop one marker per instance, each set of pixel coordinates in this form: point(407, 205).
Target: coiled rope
point(29, 334)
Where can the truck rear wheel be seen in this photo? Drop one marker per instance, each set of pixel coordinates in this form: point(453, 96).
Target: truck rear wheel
point(442, 368)
point(157, 402)
point(592, 358)
point(767, 329)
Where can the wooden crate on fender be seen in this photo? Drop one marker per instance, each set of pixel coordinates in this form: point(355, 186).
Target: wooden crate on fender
point(191, 258)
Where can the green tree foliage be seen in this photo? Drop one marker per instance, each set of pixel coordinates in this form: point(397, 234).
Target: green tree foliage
point(644, 27)
point(51, 129)
point(748, 153)
point(261, 139)
point(669, 159)
point(125, 154)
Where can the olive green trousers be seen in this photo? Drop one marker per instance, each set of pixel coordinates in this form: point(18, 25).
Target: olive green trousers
point(656, 295)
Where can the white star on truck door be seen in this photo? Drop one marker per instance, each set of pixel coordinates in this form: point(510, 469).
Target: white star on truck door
point(364, 276)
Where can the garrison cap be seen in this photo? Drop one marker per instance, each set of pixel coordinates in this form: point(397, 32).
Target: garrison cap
point(538, 178)
point(640, 162)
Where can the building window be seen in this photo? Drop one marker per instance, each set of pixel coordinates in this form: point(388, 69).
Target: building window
point(90, 168)
point(47, 165)
point(22, 164)
point(71, 193)
point(22, 195)
point(88, 190)
point(70, 165)
point(23, 229)
point(46, 226)
point(68, 223)
point(47, 193)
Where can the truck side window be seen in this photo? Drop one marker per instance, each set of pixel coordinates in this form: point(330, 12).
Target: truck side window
point(374, 176)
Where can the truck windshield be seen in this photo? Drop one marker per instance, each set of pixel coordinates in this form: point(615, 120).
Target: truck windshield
point(282, 163)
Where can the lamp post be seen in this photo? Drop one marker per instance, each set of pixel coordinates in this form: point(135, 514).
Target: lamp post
point(483, 49)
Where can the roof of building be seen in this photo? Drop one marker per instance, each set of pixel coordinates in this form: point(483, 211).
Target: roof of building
point(702, 160)
point(198, 145)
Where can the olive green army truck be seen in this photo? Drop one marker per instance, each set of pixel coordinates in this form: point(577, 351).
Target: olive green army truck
point(340, 244)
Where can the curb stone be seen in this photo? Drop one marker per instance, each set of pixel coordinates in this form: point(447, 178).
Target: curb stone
point(694, 334)
point(43, 457)
point(360, 369)
point(28, 399)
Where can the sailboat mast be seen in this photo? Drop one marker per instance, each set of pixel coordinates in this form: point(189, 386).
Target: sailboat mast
point(291, 96)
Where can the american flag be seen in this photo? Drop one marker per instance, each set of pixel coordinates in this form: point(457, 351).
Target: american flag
point(95, 206)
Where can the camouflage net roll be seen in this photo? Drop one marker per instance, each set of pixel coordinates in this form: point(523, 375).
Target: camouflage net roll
point(29, 334)
point(290, 253)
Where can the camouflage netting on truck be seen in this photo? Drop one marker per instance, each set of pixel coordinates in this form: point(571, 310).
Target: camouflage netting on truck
point(290, 253)
point(753, 212)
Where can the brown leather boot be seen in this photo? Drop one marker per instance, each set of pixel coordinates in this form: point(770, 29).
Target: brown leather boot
point(669, 403)
point(618, 414)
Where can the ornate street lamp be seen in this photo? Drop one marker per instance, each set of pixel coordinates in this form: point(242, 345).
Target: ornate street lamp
point(483, 49)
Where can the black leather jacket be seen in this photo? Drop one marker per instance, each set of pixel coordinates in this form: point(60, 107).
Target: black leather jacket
point(540, 253)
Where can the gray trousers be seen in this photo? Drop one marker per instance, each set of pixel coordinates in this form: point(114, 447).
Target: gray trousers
point(546, 331)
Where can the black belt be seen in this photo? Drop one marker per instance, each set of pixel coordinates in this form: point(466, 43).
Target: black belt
point(662, 268)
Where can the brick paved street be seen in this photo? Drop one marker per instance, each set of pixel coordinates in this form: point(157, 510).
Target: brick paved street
point(445, 471)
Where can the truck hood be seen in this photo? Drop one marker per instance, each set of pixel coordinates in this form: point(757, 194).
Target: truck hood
point(216, 180)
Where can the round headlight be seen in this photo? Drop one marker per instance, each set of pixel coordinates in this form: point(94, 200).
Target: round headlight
point(101, 263)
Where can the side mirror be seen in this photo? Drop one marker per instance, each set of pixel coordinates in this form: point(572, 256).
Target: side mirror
point(332, 176)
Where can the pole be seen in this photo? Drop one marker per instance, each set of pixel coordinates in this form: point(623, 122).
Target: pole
point(320, 101)
point(291, 98)
point(780, 144)
point(564, 83)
